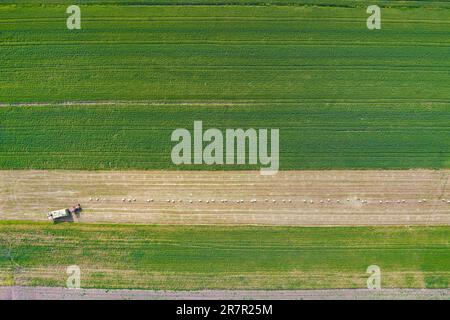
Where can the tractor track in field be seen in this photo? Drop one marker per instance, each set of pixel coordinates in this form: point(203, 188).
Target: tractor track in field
point(298, 198)
point(209, 103)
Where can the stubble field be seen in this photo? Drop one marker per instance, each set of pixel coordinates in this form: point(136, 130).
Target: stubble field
point(295, 198)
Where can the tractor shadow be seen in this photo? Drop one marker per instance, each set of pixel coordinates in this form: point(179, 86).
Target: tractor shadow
point(71, 218)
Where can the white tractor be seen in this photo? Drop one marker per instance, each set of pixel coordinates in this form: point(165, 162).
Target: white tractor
point(60, 214)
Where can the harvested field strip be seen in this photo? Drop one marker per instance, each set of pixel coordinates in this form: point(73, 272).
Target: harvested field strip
point(313, 135)
point(194, 258)
point(414, 197)
point(165, 52)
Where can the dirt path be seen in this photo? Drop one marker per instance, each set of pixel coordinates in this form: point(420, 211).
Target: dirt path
point(411, 197)
point(49, 293)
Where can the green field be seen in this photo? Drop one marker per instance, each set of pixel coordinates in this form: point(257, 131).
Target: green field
point(332, 3)
point(223, 53)
point(312, 135)
point(181, 257)
point(343, 96)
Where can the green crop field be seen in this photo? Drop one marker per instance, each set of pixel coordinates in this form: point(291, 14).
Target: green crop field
point(181, 257)
point(223, 53)
point(312, 135)
point(343, 96)
point(318, 71)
